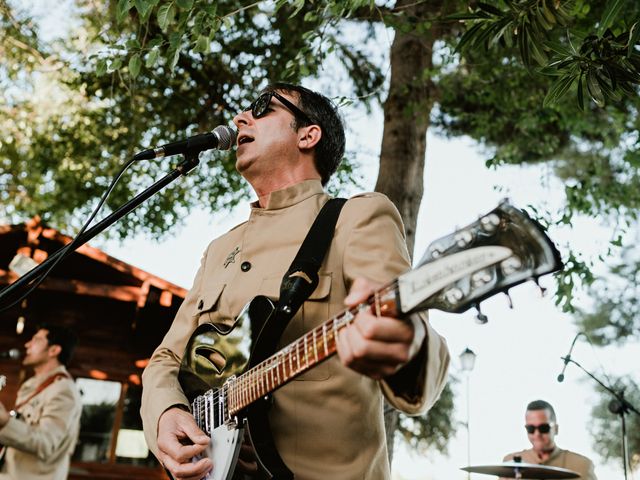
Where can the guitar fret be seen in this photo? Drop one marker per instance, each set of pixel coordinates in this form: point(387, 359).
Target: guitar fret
point(306, 358)
point(254, 385)
point(315, 346)
point(324, 339)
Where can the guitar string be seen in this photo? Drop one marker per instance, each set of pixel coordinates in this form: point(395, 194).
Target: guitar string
point(239, 386)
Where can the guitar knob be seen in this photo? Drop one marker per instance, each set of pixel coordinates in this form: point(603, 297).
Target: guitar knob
point(511, 265)
point(463, 238)
point(489, 223)
point(453, 295)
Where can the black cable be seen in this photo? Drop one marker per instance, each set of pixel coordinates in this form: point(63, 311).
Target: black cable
point(70, 246)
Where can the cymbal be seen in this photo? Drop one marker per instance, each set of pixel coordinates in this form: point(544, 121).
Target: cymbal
point(523, 470)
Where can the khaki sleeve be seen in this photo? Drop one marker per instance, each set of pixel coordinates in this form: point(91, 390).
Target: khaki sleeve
point(45, 438)
point(160, 386)
point(376, 249)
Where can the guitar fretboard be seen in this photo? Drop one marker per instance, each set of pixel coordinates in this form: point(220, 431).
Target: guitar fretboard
point(298, 357)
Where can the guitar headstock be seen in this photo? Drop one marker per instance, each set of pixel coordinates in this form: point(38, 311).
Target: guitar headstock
point(501, 249)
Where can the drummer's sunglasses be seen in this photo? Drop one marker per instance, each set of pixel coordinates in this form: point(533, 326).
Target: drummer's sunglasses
point(542, 428)
point(260, 107)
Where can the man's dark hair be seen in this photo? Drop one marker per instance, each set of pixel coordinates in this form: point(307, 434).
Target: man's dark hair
point(63, 336)
point(323, 112)
point(542, 405)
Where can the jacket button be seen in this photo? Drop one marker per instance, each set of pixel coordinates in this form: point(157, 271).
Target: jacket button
point(200, 304)
point(245, 267)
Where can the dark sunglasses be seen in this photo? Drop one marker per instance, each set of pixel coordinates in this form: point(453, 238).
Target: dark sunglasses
point(260, 106)
point(542, 428)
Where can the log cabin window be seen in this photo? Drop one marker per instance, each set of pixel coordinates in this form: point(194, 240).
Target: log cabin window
point(110, 426)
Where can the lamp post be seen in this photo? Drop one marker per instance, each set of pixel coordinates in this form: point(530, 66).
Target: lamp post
point(467, 362)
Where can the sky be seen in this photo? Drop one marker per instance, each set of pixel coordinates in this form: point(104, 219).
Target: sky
point(518, 350)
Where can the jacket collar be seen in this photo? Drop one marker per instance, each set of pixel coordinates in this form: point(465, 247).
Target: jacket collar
point(291, 195)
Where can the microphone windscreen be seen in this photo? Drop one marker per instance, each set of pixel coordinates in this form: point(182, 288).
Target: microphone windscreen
point(227, 137)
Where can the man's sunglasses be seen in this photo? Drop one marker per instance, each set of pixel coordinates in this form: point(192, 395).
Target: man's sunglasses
point(542, 428)
point(260, 106)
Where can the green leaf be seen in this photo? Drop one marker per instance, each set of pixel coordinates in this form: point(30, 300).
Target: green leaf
point(594, 89)
point(134, 65)
point(166, 14)
point(122, 9)
point(133, 44)
point(152, 58)
point(537, 53)
point(608, 16)
point(202, 45)
point(297, 6)
point(580, 97)
point(115, 64)
point(558, 89)
point(490, 9)
point(634, 36)
point(185, 4)
point(101, 67)
point(144, 7)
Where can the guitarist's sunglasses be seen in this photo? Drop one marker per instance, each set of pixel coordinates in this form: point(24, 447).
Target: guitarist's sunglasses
point(542, 428)
point(260, 107)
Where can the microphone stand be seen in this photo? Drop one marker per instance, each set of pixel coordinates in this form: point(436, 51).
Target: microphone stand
point(619, 405)
point(191, 160)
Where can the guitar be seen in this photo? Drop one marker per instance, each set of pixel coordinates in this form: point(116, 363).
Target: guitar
point(502, 249)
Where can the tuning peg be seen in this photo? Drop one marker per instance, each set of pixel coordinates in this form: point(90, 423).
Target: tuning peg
point(489, 223)
point(543, 290)
point(481, 318)
point(509, 299)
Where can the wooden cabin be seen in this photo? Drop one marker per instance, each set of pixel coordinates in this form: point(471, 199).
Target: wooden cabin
point(120, 314)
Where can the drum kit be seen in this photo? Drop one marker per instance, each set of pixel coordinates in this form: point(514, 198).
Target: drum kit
point(519, 470)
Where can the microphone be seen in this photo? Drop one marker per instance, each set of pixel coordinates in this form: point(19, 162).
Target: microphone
point(12, 354)
point(221, 138)
point(567, 359)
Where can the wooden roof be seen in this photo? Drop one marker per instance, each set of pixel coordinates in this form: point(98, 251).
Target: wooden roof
point(120, 312)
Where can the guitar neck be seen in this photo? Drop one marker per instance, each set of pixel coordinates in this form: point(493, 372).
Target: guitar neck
point(303, 354)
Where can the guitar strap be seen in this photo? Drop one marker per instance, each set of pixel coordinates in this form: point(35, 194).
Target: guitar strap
point(302, 277)
point(40, 388)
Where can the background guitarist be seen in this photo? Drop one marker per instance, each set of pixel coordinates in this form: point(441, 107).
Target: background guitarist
point(41, 438)
point(328, 423)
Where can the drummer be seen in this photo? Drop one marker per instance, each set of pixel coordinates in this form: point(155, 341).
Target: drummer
point(541, 427)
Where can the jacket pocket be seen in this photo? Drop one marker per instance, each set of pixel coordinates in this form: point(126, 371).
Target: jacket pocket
point(313, 312)
point(207, 303)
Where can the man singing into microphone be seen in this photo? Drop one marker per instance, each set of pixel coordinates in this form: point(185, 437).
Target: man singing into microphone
point(541, 427)
point(327, 423)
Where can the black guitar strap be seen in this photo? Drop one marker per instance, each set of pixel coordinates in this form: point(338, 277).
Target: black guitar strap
point(302, 277)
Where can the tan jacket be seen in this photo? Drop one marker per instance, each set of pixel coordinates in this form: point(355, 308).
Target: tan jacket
point(560, 458)
point(42, 441)
point(327, 423)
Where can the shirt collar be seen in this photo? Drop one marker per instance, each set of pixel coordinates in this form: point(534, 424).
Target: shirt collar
point(291, 195)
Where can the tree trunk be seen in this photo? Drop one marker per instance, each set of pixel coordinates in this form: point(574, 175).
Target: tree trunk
point(404, 139)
